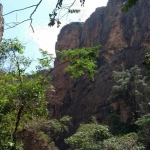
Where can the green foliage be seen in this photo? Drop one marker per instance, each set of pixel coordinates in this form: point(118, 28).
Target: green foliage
point(129, 87)
point(81, 61)
point(74, 11)
point(146, 61)
point(144, 132)
point(96, 137)
point(128, 4)
point(22, 96)
point(50, 128)
point(126, 142)
point(116, 124)
point(88, 137)
point(60, 125)
point(44, 62)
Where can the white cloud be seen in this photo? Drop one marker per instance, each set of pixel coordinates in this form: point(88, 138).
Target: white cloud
point(45, 37)
point(88, 8)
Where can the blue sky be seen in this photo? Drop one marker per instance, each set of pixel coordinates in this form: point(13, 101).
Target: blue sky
point(44, 37)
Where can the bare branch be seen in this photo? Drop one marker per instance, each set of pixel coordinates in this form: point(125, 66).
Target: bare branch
point(30, 18)
point(68, 9)
point(19, 10)
point(58, 7)
point(17, 24)
point(33, 13)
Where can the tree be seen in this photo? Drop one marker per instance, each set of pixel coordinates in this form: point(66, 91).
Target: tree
point(124, 142)
point(144, 131)
point(81, 60)
point(129, 87)
point(146, 61)
point(21, 97)
point(95, 137)
point(88, 136)
point(22, 94)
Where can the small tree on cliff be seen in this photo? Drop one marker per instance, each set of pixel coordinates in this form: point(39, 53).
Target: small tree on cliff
point(128, 4)
point(129, 86)
point(81, 60)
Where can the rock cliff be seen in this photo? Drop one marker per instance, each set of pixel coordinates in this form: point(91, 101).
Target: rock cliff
point(125, 38)
point(1, 22)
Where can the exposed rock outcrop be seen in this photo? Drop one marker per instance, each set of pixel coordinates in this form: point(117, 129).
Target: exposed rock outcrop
point(1, 22)
point(125, 38)
point(70, 37)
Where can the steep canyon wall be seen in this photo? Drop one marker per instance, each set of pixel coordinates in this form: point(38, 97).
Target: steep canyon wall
point(125, 38)
point(1, 22)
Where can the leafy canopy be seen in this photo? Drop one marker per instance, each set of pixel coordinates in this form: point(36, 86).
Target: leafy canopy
point(81, 60)
point(144, 132)
point(96, 137)
point(130, 86)
point(88, 137)
point(22, 96)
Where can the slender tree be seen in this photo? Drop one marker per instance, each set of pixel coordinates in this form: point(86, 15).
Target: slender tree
point(129, 87)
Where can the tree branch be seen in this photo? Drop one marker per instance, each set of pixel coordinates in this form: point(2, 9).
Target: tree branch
point(54, 13)
point(52, 16)
point(19, 10)
point(17, 24)
point(30, 18)
point(33, 13)
point(17, 125)
point(68, 9)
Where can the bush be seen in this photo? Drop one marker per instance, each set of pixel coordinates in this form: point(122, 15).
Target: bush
point(144, 132)
point(126, 142)
point(88, 137)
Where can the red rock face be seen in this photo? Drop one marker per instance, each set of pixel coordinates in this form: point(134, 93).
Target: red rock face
point(125, 38)
point(69, 38)
point(1, 22)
